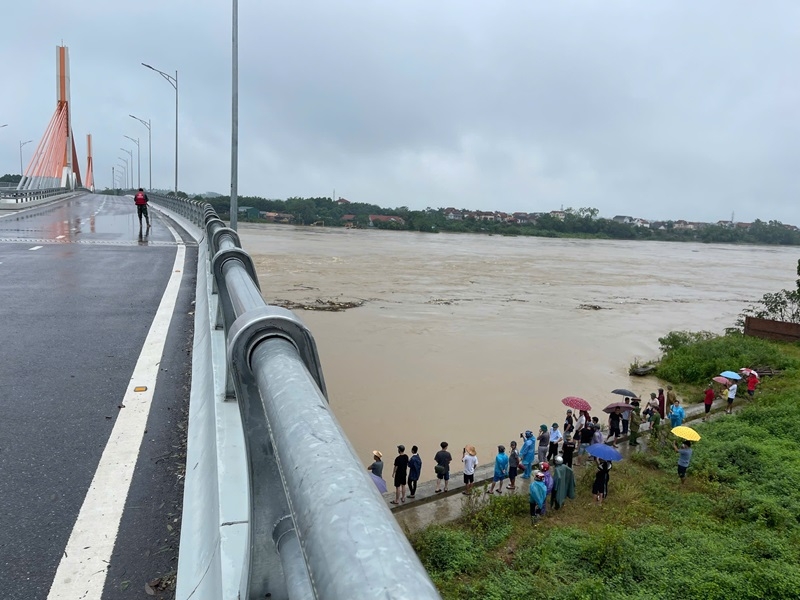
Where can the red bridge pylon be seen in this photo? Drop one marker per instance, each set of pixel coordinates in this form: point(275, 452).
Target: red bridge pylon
point(55, 162)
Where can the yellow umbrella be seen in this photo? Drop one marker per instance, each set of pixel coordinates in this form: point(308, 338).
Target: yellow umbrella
point(687, 433)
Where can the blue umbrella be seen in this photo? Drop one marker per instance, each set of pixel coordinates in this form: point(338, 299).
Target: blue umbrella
point(731, 375)
point(603, 452)
point(379, 483)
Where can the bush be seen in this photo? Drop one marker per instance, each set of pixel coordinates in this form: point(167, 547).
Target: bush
point(679, 339)
point(447, 551)
point(697, 362)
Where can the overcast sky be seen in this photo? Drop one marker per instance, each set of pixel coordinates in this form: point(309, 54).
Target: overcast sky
point(659, 109)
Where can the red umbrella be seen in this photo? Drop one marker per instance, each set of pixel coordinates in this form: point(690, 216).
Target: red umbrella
point(620, 405)
point(747, 371)
point(721, 380)
point(576, 403)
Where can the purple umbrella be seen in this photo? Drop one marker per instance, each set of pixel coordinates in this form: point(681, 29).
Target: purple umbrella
point(379, 483)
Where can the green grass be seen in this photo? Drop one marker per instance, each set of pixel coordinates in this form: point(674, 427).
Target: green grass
point(732, 531)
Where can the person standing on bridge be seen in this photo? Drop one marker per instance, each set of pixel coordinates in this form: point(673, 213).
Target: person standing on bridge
point(140, 200)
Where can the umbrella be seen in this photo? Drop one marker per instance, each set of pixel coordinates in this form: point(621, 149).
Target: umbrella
point(687, 433)
point(379, 483)
point(731, 375)
point(721, 380)
point(603, 452)
point(576, 403)
point(620, 405)
point(747, 371)
point(624, 392)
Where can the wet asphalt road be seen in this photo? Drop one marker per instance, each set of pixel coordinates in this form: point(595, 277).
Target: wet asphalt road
point(75, 313)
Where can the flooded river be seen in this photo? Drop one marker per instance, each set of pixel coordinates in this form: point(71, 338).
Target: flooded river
point(473, 339)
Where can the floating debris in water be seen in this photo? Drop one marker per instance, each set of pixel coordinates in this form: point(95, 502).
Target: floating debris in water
point(320, 304)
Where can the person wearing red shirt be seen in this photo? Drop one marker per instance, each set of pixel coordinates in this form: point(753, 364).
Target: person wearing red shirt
point(708, 399)
point(140, 200)
point(752, 382)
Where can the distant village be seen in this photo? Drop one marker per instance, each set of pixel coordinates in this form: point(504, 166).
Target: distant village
point(516, 218)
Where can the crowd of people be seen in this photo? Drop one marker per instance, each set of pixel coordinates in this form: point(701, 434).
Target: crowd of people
point(561, 445)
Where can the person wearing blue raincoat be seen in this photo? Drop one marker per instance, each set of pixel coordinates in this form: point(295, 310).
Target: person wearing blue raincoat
point(527, 454)
point(537, 494)
point(676, 414)
point(500, 470)
point(549, 482)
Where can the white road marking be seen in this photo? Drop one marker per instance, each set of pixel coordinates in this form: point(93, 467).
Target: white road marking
point(84, 564)
point(35, 247)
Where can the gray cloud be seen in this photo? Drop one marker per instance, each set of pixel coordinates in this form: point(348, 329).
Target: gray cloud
point(661, 109)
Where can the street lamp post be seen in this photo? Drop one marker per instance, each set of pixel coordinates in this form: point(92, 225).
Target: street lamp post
point(173, 81)
point(234, 219)
point(138, 160)
point(21, 144)
point(149, 147)
point(124, 164)
point(130, 153)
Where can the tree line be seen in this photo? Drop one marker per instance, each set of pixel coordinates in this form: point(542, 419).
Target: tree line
point(582, 222)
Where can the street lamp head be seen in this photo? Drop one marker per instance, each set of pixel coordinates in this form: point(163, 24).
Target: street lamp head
point(142, 121)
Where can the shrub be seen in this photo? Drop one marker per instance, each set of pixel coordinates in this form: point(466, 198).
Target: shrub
point(679, 339)
point(446, 551)
point(699, 361)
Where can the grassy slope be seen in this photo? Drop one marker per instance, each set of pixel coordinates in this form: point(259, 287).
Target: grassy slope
point(732, 531)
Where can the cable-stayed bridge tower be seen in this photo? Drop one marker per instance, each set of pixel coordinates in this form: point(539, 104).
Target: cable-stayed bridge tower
point(55, 162)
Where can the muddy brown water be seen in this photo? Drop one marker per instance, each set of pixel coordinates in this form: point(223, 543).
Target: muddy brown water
point(474, 338)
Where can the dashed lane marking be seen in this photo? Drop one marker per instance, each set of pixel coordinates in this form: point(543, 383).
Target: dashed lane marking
point(36, 248)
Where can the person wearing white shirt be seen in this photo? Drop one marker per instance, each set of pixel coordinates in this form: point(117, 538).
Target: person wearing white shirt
point(731, 396)
point(470, 459)
point(555, 438)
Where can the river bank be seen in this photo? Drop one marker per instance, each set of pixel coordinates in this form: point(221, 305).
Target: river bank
point(730, 531)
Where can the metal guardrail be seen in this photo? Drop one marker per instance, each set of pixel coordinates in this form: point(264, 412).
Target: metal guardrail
point(318, 528)
point(192, 210)
point(22, 196)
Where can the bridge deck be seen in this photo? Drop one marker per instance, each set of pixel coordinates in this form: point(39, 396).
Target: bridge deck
point(81, 288)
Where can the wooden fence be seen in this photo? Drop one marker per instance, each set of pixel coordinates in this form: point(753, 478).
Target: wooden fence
point(772, 330)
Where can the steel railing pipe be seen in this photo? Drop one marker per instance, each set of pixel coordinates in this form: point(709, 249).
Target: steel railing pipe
point(244, 294)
